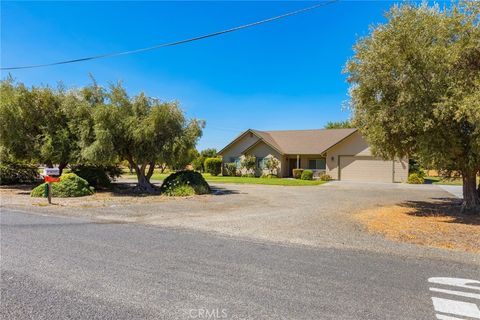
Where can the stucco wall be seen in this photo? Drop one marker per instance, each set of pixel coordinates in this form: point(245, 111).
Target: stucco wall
point(262, 150)
point(235, 150)
point(355, 145)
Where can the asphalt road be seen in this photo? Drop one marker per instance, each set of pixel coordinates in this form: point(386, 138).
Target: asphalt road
point(59, 268)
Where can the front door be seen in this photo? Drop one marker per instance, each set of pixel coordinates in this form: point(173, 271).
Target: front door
point(292, 164)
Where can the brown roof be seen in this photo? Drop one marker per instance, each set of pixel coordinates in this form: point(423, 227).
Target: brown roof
point(301, 141)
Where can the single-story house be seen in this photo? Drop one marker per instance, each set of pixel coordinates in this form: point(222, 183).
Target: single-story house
point(341, 153)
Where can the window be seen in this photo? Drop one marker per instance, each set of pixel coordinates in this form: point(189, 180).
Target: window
point(236, 160)
point(318, 164)
point(261, 163)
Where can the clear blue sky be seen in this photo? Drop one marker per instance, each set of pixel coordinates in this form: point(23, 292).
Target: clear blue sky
point(281, 75)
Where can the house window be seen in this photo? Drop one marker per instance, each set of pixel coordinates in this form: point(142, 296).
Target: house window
point(236, 160)
point(318, 164)
point(261, 163)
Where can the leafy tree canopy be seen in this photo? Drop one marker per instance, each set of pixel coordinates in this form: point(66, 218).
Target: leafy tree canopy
point(339, 124)
point(415, 88)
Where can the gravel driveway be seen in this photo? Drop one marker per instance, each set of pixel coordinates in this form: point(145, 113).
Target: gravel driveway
point(315, 215)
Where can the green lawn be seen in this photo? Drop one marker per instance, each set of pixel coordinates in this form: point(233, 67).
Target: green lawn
point(447, 181)
point(243, 180)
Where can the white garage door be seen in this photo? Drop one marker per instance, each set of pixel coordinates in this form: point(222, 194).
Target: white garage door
point(357, 168)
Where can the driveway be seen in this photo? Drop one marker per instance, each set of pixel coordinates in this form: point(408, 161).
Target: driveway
point(319, 216)
point(68, 268)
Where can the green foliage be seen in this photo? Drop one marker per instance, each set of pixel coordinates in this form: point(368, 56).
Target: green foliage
point(269, 176)
point(272, 164)
point(415, 178)
point(307, 175)
point(339, 124)
point(17, 173)
point(97, 176)
point(231, 169)
point(325, 177)
point(213, 166)
point(199, 162)
point(297, 173)
point(180, 182)
point(415, 167)
point(415, 88)
point(70, 185)
point(249, 163)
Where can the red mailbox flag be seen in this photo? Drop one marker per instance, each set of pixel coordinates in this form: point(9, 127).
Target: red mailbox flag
point(51, 179)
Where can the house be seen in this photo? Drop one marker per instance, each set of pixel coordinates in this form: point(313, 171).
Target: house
point(341, 153)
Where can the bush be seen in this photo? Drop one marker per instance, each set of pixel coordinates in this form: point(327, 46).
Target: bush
point(213, 166)
point(297, 173)
point(249, 175)
point(231, 169)
point(325, 177)
point(70, 185)
point(180, 182)
point(415, 178)
point(97, 176)
point(249, 163)
point(17, 173)
point(307, 175)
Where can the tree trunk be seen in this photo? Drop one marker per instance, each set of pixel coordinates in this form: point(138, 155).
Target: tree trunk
point(62, 166)
point(471, 197)
point(143, 184)
point(151, 169)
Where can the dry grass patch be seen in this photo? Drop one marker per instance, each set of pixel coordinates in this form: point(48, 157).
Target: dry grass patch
point(435, 224)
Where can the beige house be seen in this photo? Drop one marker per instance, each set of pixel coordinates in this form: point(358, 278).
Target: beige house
point(341, 153)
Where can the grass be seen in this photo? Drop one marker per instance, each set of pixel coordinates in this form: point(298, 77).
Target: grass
point(242, 180)
point(446, 181)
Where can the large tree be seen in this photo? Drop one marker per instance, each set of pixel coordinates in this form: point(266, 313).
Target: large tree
point(34, 124)
point(138, 129)
point(415, 89)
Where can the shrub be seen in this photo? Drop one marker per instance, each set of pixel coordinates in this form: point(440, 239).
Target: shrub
point(97, 176)
point(70, 185)
point(16, 173)
point(307, 175)
point(325, 177)
point(231, 169)
point(177, 184)
point(272, 164)
point(249, 163)
point(248, 175)
point(297, 173)
point(415, 178)
point(213, 166)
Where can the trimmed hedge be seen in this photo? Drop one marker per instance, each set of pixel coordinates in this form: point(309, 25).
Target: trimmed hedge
point(297, 173)
point(70, 185)
point(213, 166)
point(415, 178)
point(307, 175)
point(181, 183)
point(17, 173)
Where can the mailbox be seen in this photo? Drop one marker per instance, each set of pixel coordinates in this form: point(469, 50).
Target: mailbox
point(51, 172)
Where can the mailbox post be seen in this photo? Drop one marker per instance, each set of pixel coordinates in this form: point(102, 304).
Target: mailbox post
point(50, 175)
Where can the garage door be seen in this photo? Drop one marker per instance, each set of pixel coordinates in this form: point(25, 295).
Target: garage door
point(357, 168)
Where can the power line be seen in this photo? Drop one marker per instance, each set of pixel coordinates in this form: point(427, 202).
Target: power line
point(170, 44)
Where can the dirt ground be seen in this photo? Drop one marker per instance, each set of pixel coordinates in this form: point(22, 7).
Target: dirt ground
point(323, 215)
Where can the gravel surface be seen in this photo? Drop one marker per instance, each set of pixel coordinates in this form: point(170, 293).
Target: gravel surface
point(318, 216)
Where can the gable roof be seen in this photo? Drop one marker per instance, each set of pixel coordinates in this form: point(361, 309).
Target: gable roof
point(299, 141)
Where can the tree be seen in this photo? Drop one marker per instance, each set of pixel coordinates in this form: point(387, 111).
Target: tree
point(339, 124)
point(415, 89)
point(137, 129)
point(249, 163)
point(34, 124)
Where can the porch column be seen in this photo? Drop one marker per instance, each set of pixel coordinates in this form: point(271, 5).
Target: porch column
point(298, 161)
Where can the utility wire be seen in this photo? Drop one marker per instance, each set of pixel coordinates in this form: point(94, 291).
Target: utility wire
point(170, 44)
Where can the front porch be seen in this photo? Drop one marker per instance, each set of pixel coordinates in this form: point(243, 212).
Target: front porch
point(316, 163)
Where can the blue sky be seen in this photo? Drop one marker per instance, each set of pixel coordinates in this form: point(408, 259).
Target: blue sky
point(281, 75)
